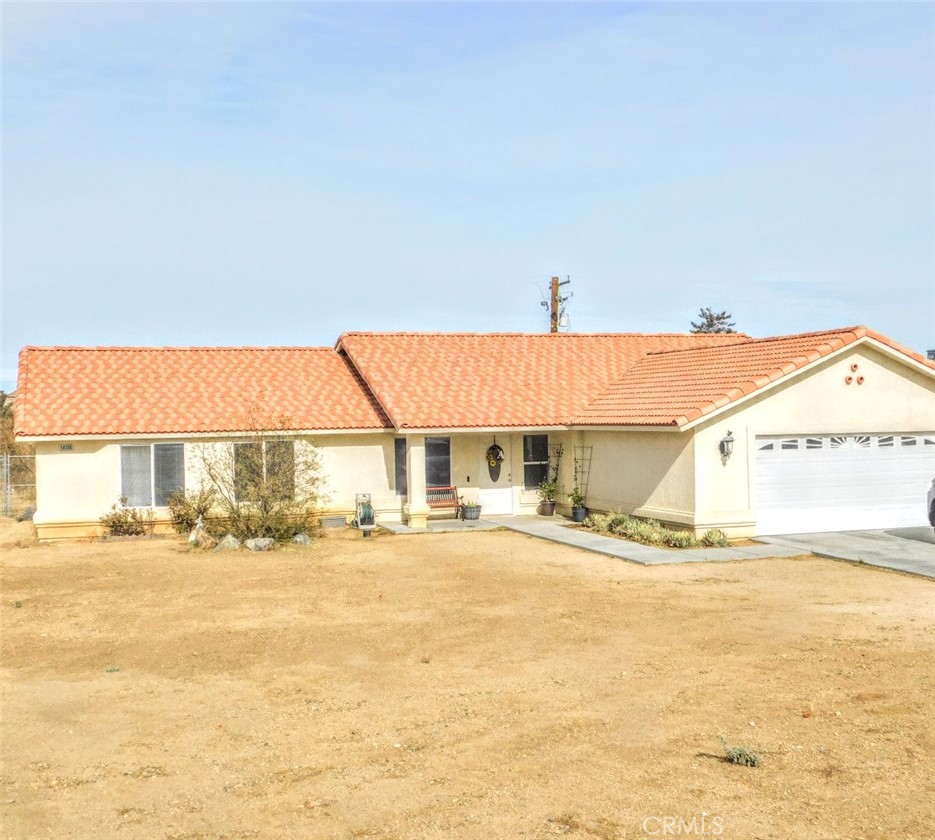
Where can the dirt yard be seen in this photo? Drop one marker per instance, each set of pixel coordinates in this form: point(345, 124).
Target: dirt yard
point(475, 685)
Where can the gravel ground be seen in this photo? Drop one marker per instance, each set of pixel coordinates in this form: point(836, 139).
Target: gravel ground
point(476, 685)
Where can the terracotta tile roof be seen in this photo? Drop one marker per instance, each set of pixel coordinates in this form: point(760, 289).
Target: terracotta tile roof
point(145, 390)
point(499, 380)
point(676, 388)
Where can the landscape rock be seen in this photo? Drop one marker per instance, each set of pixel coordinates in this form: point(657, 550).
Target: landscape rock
point(260, 544)
point(194, 538)
point(200, 538)
point(301, 539)
point(228, 543)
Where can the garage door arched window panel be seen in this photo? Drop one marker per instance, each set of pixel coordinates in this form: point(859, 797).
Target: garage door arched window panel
point(851, 482)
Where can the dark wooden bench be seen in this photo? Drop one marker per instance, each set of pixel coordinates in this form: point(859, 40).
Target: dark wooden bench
point(440, 498)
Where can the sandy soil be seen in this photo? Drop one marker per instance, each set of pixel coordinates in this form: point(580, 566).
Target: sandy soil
point(473, 685)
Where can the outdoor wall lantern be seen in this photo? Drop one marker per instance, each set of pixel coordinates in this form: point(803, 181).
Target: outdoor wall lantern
point(726, 445)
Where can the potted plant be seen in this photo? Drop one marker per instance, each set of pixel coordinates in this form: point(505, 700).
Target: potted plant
point(578, 510)
point(547, 490)
point(470, 510)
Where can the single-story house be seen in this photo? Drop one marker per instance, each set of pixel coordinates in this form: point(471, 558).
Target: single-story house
point(820, 431)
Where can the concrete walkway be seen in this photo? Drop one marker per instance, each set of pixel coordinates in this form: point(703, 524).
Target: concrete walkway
point(903, 549)
point(443, 526)
point(555, 528)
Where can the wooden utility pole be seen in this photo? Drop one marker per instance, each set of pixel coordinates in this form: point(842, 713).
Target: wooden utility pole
point(556, 303)
point(553, 323)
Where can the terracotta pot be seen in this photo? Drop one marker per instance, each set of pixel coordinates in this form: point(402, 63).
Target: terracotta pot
point(546, 508)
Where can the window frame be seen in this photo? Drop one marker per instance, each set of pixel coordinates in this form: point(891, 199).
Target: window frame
point(153, 471)
point(542, 464)
point(401, 467)
point(447, 440)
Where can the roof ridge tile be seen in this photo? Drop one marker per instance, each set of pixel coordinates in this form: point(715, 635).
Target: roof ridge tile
point(171, 348)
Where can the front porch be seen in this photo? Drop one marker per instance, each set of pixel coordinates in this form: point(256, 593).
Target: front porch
point(444, 526)
point(498, 471)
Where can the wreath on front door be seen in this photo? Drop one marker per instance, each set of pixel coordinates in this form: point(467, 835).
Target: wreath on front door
point(494, 455)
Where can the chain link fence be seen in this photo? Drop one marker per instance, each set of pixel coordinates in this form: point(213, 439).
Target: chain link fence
point(18, 484)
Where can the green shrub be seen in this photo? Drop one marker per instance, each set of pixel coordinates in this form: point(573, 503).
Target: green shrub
point(679, 539)
point(715, 538)
point(185, 508)
point(124, 521)
point(646, 531)
point(619, 523)
point(740, 755)
point(598, 521)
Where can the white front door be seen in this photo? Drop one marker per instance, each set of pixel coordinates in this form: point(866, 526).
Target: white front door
point(842, 482)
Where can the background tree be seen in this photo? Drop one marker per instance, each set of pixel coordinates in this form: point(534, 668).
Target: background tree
point(713, 322)
point(8, 444)
point(20, 497)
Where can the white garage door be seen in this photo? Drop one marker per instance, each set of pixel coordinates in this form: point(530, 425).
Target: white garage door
point(842, 482)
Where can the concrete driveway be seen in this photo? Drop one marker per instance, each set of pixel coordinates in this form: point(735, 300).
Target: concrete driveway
point(905, 549)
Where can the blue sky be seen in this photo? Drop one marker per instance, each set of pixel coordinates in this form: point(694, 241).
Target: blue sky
point(275, 174)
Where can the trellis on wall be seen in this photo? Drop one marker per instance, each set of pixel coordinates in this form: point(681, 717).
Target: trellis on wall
point(583, 468)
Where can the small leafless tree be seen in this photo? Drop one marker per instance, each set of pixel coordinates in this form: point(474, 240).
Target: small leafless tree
point(267, 482)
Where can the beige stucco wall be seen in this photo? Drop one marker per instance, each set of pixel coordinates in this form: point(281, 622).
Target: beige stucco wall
point(75, 488)
point(644, 473)
point(361, 464)
point(892, 398)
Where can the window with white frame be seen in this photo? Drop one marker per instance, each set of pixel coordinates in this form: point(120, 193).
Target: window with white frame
point(402, 482)
point(151, 472)
point(535, 460)
point(264, 465)
point(438, 462)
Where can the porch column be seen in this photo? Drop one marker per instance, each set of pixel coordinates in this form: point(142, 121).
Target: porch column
point(416, 511)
